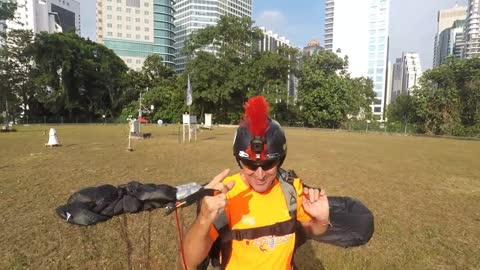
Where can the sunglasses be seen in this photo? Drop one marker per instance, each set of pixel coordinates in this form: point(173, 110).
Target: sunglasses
point(264, 164)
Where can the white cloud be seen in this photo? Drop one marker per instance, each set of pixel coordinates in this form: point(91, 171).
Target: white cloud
point(272, 20)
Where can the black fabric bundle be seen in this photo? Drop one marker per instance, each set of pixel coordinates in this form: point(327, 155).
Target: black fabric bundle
point(91, 205)
point(352, 224)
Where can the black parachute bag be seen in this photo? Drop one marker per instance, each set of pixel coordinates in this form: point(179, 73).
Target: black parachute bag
point(352, 224)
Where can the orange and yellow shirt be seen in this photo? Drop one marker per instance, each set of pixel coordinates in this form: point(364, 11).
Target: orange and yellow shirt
point(247, 209)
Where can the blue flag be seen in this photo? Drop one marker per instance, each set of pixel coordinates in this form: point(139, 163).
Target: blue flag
point(189, 92)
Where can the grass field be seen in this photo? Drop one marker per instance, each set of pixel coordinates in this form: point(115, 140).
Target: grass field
point(424, 192)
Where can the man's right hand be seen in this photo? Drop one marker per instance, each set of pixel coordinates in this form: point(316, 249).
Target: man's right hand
point(211, 205)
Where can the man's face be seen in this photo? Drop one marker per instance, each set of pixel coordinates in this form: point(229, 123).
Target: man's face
point(260, 179)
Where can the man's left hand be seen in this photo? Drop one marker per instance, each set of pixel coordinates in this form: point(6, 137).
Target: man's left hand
point(315, 203)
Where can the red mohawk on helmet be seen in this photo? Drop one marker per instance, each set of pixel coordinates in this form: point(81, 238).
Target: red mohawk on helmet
point(256, 114)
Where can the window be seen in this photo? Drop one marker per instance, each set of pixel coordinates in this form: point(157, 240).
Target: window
point(109, 16)
point(129, 27)
point(137, 36)
point(129, 35)
point(129, 60)
point(109, 7)
point(129, 19)
point(133, 3)
point(137, 11)
point(109, 25)
point(119, 1)
point(146, 21)
point(146, 12)
point(119, 18)
point(129, 10)
point(377, 109)
point(119, 9)
point(119, 35)
point(147, 29)
point(137, 19)
point(137, 28)
point(109, 34)
point(119, 26)
point(146, 37)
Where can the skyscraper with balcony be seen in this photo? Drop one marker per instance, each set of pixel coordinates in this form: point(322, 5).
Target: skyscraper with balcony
point(135, 29)
point(271, 41)
point(192, 15)
point(449, 37)
point(472, 30)
point(46, 16)
point(359, 30)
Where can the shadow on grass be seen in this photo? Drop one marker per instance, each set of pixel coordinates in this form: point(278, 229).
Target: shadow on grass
point(305, 258)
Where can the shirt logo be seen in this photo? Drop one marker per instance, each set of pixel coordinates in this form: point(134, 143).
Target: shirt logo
point(269, 242)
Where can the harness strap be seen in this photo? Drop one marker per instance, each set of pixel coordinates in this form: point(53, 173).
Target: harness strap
point(277, 229)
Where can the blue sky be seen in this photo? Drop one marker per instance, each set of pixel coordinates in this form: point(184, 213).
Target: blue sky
point(412, 22)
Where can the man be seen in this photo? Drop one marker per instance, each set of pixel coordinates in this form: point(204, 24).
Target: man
point(260, 232)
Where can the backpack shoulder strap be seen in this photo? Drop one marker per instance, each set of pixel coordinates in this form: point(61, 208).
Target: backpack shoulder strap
point(286, 179)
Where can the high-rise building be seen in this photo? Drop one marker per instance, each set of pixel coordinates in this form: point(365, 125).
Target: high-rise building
point(406, 74)
point(135, 29)
point(472, 30)
point(450, 43)
point(192, 15)
point(271, 41)
point(397, 79)
point(364, 40)
point(47, 16)
point(448, 38)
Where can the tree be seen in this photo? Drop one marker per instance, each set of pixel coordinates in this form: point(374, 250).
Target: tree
point(7, 10)
point(448, 100)
point(17, 70)
point(78, 76)
point(160, 87)
point(402, 110)
point(327, 94)
point(155, 71)
point(223, 81)
point(231, 37)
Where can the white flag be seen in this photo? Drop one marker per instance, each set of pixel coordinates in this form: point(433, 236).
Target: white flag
point(189, 92)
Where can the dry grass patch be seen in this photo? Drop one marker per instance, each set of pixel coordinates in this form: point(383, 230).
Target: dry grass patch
point(424, 192)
